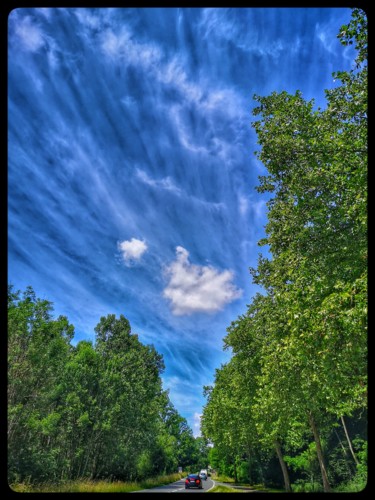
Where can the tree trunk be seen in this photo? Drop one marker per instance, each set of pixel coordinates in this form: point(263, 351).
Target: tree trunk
point(342, 446)
point(261, 470)
point(319, 451)
point(249, 454)
point(348, 465)
point(283, 466)
point(349, 442)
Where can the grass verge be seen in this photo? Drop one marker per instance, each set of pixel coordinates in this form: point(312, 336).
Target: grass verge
point(220, 488)
point(232, 487)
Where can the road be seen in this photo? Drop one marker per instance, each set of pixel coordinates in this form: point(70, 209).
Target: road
point(179, 487)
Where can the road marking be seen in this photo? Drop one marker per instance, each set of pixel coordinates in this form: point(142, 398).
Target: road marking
point(212, 485)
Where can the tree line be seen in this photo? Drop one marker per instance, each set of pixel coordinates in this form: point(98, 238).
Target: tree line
point(90, 410)
point(290, 406)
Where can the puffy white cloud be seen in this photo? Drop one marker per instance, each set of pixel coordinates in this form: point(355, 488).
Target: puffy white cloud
point(132, 250)
point(197, 289)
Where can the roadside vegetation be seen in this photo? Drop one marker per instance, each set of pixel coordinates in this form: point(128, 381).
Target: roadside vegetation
point(90, 411)
point(239, 486)
point(91, 486)
point(224, 489)
point(290, 407)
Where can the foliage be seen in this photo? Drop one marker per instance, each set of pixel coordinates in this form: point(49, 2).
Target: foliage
point(94, 411)
point(306, 462)
point(361, 473)
point(224, 489)
point(299, 364)
point(304, 486)
point(299, 361)
point(90, 486)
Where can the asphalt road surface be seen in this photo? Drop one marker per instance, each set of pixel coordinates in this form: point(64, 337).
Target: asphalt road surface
point(179, 487)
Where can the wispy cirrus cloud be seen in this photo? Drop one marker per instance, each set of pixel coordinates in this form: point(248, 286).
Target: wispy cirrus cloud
point(243, 205)
point(165, 183)
point(329, 43)
point(129, 133)
point(121, 47)
point(210, 134)
point(182, 391)
point(197, 289)
point(232, 26)
point(29, 34)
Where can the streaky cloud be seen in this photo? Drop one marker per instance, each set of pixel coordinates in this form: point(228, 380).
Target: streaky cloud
point(165, 183)
point(131, 128)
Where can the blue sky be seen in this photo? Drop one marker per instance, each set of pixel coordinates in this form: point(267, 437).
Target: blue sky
point(131, 167)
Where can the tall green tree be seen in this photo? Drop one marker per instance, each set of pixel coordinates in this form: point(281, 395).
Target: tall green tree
point(80, 395)
point(228, 419)
point(38, 348)
point(255, 339)
point(186, 450)
point(309, 330)
point(93, 410)
point(129, 396)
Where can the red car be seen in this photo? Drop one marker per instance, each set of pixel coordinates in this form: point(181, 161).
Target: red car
point(193, 481)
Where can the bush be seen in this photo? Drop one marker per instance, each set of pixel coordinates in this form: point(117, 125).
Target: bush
point(303, 486)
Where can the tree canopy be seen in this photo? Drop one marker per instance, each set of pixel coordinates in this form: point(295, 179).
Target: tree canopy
point(300, 351)
point(90, 410)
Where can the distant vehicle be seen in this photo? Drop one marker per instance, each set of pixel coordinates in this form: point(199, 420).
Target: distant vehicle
point(203, 474)
point(193, 481)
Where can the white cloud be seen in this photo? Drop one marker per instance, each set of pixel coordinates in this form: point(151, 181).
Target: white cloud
point(243, 205)
point(324, 35)
point(219, 23)
point(29, 34)
point(182, 393)
point(173, 73)
point(176, 114)
point(122, 47)
point(132, 250)
point(217, 105)
point(197, 289)
point(47, 12)
point(165, 183)
point(259, 209)
point(149, 56)
point(87, 18)
point(112, 45)
point(225, 124)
